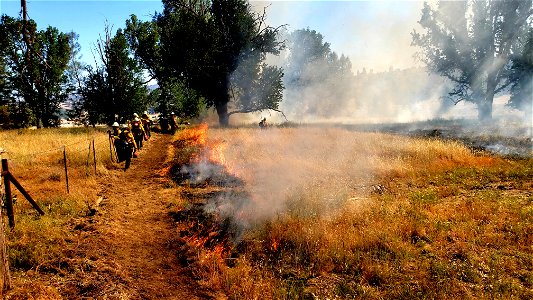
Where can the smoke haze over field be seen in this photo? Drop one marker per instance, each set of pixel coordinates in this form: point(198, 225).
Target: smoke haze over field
point(280, 167)
point(373, 34)
point(388, 83)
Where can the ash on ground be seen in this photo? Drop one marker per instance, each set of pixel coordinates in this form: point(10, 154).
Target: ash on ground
point(501, 138)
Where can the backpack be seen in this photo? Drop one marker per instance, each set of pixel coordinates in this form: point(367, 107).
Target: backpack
point(136, 128)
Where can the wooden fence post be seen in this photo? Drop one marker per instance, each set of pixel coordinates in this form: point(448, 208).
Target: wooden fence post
point(5, 277)
point(5, 285)
point(9, 198)
point(66, 170)
point(94, 157)
point(88, 155)
point(25, 193)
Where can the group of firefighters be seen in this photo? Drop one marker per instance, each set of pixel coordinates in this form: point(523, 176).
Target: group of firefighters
point(128, 138)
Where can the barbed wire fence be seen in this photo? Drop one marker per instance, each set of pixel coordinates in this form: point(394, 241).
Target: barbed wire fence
point(76, 155)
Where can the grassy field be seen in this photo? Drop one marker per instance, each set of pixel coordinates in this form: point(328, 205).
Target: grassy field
point(36, 159)
point(301, 213)
point(338, 214)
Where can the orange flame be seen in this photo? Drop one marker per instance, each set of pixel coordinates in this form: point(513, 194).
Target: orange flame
point(216, 152)
point(212, 150)
point(275, 244)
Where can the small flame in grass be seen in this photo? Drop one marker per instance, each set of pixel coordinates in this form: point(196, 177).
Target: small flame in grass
point(212, 151)
point(165, 171)
point(216, 152)
point(275, 244)
point(200, 133)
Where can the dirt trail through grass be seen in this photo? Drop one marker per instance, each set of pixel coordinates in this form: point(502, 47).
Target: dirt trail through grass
point(129, 243)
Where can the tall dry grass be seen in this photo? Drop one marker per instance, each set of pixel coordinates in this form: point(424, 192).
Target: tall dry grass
point(332, 213)
point(36, 159)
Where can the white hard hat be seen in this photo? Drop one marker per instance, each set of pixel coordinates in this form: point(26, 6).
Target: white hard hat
point(124, 126)
point(115, 124)
point(135, 115)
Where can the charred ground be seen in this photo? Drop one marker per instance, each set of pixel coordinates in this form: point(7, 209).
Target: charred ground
point(506, 139)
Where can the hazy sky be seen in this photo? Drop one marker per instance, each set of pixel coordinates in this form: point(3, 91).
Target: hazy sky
point(374, 34)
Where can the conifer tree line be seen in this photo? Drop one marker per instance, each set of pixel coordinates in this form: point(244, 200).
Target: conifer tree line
point(197, 55)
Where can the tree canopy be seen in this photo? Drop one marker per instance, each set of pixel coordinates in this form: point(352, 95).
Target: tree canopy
point(116, 86)
point(35, 64)
point(201, 43)
point(471, 44)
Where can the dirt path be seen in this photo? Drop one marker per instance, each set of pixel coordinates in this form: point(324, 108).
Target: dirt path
point(130, 243)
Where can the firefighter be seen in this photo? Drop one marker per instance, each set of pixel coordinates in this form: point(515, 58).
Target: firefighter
point(263, 124)
point(147, 123)
point(128, 146)
point(173, 122)
point(163, 123)
point(115, 130)
point(137, 130)
point(115, 140)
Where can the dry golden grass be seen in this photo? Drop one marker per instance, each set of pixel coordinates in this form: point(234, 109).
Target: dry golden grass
point(332, 213)
point(319, 213)
point(35, 158)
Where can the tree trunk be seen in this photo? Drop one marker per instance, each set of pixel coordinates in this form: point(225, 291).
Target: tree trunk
point(484, 111)
point(485, 104)
point(222, 111)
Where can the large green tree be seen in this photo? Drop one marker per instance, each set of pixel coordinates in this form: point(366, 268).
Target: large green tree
point(471, 43)
point(201, 43)
point(36, 62)
point(116, 86)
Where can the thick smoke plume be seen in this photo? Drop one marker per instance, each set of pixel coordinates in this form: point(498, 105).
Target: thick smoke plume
point(301, 171)
point(385, 83)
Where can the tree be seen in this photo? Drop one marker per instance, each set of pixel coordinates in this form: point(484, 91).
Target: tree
point(255, 86)
point(318, 81)
point(521, 77)
point(200, 43)
point(173, 96)
point(307, 48)
point(36, 67)
point(471, 43)
point(116, 86)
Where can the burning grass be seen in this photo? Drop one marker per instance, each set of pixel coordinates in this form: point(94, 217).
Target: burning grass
point(325, 213)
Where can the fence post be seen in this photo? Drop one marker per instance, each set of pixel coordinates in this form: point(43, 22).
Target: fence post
point(9, 199)
point(66, 170)
point(5, 275)
point(94, 157)
point(5, 285)
point(88, 156)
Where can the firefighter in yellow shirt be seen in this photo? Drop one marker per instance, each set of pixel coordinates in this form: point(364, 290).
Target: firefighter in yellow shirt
point(128, 146)
point(138, 132)
point(147, 123)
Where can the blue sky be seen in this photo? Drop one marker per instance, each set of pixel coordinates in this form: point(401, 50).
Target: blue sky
point(86, 18)
point(374, 34)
